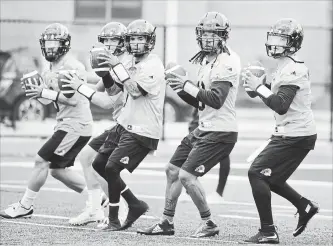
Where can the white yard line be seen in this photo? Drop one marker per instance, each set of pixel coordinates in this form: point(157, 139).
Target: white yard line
point(118, 232)
point(223, 202)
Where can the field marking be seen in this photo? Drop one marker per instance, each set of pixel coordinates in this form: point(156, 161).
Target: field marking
point(181, 198)
point(237, 217)
point(208, 176)
point(118, 232)
point(161, 165)
point(46, 216)
point(279, 214)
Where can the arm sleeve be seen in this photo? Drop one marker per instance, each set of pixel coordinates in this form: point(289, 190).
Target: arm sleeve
point(215, 97)
point(188, 99)
point(281, 101)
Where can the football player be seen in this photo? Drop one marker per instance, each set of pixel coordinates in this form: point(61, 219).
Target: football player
point(289, 96)
point(214, 94)
point(139, 124)
point(74, 122)
point(224, 164)
point(112, 35)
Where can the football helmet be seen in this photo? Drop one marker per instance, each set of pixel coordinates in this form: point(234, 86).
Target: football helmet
point(215, 23)
point(111, 31)
point(140, 28)
point(284, 38)
point(55, 41)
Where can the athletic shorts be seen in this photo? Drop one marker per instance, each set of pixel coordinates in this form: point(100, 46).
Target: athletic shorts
point(121, 148)
point(97, 142)
point(281, 157)
point(198, 156)
point(62, 148)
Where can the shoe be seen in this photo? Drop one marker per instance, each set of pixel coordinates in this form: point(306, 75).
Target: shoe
point(16, 210)
point(304, 217)
point(206, 229)
point(134, 213)
point(264, 237)
point(162, 228)
point(214, 198)
point(109, 225)
point(87, 216)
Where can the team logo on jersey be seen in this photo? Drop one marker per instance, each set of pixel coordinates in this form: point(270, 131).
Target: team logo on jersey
point(124, 160)
point(132, 70)
point(267, 172)
point(129, 127)
point(200, 169)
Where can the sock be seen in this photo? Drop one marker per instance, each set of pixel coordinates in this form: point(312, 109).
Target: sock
point(205, 215)
point(28, 198)
point(268, 228)
point(169, 209)
point(262, 196)
point(113, 211)
point(287, 192)
point(129, 197)
point(94, 198)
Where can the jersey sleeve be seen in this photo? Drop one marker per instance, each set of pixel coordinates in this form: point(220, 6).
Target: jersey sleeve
point(294, 74)
point(149, 75)
point(225, 70)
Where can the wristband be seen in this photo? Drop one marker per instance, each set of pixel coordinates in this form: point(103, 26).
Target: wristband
point(108, 81)
point(121, 72)
point(264, 91)
point(49, 94)
point(191, 89)
point(86, 91)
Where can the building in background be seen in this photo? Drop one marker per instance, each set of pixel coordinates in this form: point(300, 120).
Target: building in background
point(175, 21)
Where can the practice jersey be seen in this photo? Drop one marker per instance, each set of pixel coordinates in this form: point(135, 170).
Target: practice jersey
point(144, 115)
point(225, 68)
point(299, 119)
point(71, 119)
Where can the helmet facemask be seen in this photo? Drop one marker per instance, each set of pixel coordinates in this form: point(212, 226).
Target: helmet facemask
point(139, 45)
point(279, 45)
point(210, 41)
point(115, 44)
point(53, 48)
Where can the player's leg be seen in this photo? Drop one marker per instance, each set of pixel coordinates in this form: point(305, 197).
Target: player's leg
point(261, 173)
point(204, 156)
point(24, 208)
point(129, 154)
point(224, 170)
point(69, 177)
point(305, 208)
point(172, 191)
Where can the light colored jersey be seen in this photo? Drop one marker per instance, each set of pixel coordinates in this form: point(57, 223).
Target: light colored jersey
point(225, 68)
point(76, 119)
point(127, 60)
point(143, 115)
point(299, 120)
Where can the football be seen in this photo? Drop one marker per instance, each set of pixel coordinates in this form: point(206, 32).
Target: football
point(67, 91)
point(31, 78)
point(175, 68)
point(257, 69)
point(100, 70)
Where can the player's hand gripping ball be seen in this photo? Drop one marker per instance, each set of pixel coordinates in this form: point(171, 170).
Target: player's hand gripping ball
point(253, 76)
point(98, 65)
point(32, 78)
point(175, 76)
point(65, 78)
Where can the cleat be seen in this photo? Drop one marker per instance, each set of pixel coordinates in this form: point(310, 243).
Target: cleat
point(87, 216)
point(264, 237)
point(162, 228)
point(108, 225)
point(305, 216)
point(206, 229)
point(16, 211)
point(134, 213)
